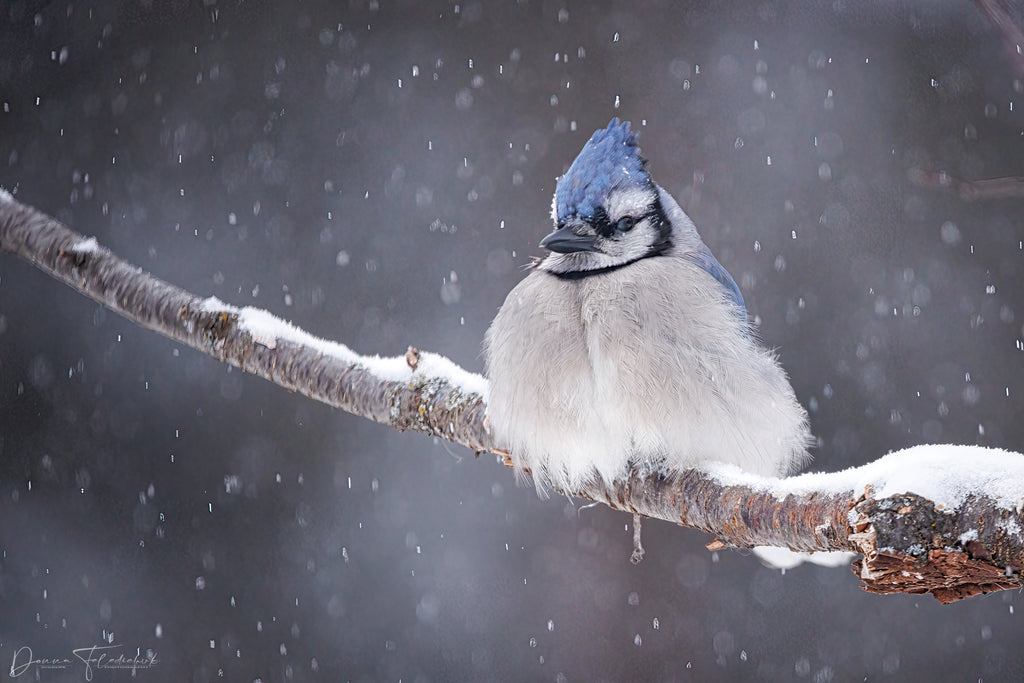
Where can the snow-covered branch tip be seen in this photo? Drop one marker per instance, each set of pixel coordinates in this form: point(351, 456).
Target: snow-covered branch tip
point(940, 520)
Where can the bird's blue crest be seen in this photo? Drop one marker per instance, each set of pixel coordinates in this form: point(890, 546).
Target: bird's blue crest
point(609, 160)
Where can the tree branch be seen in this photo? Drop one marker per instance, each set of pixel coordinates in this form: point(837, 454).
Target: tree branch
point(966, 545)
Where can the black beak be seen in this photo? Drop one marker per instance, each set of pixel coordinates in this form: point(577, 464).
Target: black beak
point(565, 241)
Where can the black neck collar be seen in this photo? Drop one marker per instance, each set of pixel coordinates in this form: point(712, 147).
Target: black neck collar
point(580, 274)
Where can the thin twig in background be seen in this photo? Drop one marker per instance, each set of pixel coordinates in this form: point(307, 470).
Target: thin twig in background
point(1013, 35)
point(969, 190)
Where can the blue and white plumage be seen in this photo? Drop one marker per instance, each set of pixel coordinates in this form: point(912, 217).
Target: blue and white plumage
point(628, 346)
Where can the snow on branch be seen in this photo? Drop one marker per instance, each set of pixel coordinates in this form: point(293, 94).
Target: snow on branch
point(945, 520)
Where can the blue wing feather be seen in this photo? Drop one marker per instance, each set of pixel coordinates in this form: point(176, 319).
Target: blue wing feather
point(707, 261)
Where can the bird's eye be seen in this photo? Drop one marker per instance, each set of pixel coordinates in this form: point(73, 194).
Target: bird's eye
point(625, 224)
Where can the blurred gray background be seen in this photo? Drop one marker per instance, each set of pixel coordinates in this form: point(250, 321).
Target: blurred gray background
point(379, 173)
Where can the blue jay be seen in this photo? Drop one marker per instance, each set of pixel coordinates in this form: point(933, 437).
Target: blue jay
point(628, 345)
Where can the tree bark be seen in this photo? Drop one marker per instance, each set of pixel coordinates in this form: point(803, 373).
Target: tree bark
point(908, 544)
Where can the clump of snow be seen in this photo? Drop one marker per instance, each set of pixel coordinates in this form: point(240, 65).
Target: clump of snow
point(86, 246)
point(1010, 526)
point(267, 329)
point(211, 304)
point(968, 536)
point(945, 474)
point(784, 558)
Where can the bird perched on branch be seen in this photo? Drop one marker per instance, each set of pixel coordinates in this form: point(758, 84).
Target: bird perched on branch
point(628, 345)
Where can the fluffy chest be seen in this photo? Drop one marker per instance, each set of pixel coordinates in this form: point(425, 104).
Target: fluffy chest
point(611, 325)
point(635, 318)
point(627, 335)
point(640, 336)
